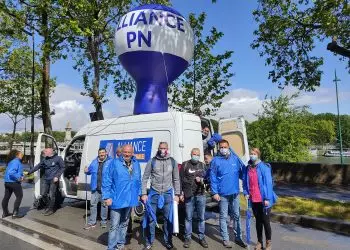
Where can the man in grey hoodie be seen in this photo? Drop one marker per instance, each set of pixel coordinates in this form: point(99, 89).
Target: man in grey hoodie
point(164, 174)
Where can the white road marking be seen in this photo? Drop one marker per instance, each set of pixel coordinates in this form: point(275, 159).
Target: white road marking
point(28, 238)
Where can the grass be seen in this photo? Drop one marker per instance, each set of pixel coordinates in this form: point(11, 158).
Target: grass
point(315, 208)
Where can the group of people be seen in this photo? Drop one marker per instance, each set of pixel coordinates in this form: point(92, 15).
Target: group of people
point(118, 185)
point(53, 167)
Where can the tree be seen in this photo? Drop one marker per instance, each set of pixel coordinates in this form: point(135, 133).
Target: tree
point(280, 131)
point(45, 19)
point(92, 25)
point(288, 32)
point(323, 132)
point(205, 82)
point(15, 91)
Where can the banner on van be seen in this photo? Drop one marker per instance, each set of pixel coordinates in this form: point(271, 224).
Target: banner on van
point(142, 147)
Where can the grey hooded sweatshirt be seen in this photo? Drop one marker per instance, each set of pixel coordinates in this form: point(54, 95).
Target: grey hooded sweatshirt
point(163, 176)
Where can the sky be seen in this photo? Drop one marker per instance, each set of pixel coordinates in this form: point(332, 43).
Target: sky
point(250, 83)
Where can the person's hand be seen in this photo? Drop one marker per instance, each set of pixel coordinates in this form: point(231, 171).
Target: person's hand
point(198, 179)
point(21, 179)
point(247, 197)
point(76, 180)
point(55, 179)
point(144, 198)
point(176, 198)
point(108, 202)
point(182, 198)
point(86, 169)
point(266, 203)
point(216, 197)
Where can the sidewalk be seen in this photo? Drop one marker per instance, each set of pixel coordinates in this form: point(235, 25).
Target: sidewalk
point(318, 192)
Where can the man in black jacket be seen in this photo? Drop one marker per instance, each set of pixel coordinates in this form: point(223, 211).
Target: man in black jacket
point(53, 166)
point(192, 176)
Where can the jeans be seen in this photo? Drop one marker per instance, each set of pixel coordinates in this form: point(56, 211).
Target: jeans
point(229, 204)
point(197, 203)
point(168, 226)
point(262, 216)
point(96, 197)
point(12, 187)
point(50, 189)
point(119, 225)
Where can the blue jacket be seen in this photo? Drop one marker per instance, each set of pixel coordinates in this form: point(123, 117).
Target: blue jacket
point(120, 185)
point(14, 171)
point(265, 183)
point(53, 167)
point(225, 174)
point(93, 171)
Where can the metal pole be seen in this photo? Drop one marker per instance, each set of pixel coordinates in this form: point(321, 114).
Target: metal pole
point(336, 80)
point(32, 115)
point(194, 77)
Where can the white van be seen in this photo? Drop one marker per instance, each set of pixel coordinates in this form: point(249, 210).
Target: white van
point(182, 131)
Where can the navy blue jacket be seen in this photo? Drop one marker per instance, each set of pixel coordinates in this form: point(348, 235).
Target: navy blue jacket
point(120, 185)
point(93, 171)
point(225, 174)
point(14, 171)
point(53, 166)
point(265, 183)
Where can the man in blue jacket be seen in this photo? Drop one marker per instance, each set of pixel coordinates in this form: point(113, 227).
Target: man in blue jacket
point(53, 166)
point(121, 188)
point(226, 170)
point(96, 169)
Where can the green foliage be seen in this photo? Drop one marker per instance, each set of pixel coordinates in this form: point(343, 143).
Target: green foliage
point(323, 132)
point(288, 32)
point(90, 27)
point(205, 82)
point(16, 85)
point(280, 131)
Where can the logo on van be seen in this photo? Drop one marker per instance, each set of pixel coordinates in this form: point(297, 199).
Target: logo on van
point(142, 147)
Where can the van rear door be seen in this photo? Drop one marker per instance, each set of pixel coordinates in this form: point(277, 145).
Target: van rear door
point(234, 131)
point(44, 141)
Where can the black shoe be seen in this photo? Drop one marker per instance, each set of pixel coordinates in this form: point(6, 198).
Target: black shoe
point(203, 243)
point(49, 212)
point(4, 215)
point(17, 215)
point(241, 243)
point(169, 245)
point(187, 243)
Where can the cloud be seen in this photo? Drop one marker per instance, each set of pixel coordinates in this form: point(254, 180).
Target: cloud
point(240, 102)
point(69, 111)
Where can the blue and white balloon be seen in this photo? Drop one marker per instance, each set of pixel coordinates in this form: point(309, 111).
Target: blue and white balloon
point(154, 43)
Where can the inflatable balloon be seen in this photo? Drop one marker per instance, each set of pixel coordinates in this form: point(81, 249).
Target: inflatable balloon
point(154, 43)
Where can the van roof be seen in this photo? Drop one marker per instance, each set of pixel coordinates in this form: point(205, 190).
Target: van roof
point(93, 127)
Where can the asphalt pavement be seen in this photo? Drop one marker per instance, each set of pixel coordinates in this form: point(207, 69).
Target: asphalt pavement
point(70, 220)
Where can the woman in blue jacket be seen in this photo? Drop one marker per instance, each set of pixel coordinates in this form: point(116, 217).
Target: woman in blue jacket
point(258, 188)
point(13, 178)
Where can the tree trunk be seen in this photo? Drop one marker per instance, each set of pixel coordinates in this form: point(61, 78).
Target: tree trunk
point(93, 45)
point(13, 132)
point(45, 88)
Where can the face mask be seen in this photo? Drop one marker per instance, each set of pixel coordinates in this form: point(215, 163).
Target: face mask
point(162, 152)
point(195, 158)
point(253, 158)
point(224, 151)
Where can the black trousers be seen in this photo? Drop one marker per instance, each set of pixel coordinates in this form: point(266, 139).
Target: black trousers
point(50, 190)
point(12, 187)
point(262, 217)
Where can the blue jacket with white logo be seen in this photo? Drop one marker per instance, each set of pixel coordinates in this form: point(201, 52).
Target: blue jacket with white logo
point(121, 185)
point(225, 174)
point(93, 171)
point(265, 183)
point(14, 171)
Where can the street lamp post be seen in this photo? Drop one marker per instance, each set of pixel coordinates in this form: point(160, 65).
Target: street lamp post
point(32, 113)
point(336, 80)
